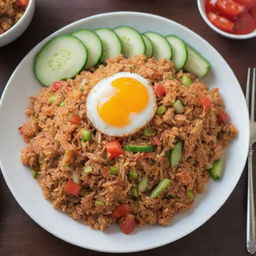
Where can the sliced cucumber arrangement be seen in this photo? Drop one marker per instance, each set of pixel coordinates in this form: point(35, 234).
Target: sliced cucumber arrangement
point(149, 46)
point(196, 64)
point(162, 48)
point(179, 51)
point(62, 57)
point(93, 44)
point(132, 42)
point(111, 43)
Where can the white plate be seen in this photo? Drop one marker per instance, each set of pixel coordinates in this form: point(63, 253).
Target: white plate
point(27, 192)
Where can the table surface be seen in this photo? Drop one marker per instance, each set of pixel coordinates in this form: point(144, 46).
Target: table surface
point(224, 233)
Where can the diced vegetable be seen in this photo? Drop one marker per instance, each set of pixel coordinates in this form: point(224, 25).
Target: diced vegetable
point(230, 8)
point(134, 191)
point(245, 24)
point(113, 170)
point(114, 149)
point(175, 154)
point(178, 107)
point(75, 120)
point(81, 89)
point(147, 132)
point(138, 148)
point(161, 110)
point(221, 22)
point(190, 194)
point(72, 188)
point(98, 202)
point(34, 174)
point(160, 188)
point(87, 169)
point(132, 175)
point(159, 90)
point(143, 184)
point(128, 224)
point(76, 178)
point(185, 80)
point(86, 135)
point(223, 118)
point(217, 169)
point(21, 3)
point(62, 104)
point(205, 102)
point(52, 99)
point(121, 210)
point(169, 77)
point(56, 86)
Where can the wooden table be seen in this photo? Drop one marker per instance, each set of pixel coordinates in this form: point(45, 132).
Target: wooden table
point(224, 233)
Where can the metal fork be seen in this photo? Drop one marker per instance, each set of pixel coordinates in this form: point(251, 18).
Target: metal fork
point(251, 228)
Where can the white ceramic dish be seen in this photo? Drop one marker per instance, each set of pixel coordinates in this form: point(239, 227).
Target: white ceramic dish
point(27, 192)
point(201, 8)
point(18, 28)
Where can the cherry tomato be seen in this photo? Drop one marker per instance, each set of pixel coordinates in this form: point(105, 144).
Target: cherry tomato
point(221, 22)
point(244, 24)
point(128, 224)
point(159, 90)
point(21, 3)
point(223, 118)
point(247, 3)
point(75, 120)
point(230, 8)
point(121, 210)
point(205, 102)
point(72, 188)
point(114, 149)
point(56, 86)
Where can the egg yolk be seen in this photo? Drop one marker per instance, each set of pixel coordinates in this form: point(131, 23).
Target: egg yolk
point(130, 96)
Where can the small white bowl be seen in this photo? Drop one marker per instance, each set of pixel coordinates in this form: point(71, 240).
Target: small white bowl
point(20, 26)
point(200, 5)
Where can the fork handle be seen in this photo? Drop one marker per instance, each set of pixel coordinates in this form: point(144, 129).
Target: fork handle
point(251, 228)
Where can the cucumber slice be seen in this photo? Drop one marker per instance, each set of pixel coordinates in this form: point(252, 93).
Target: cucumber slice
point(163, 185)
point(217, 169)
point(138, 148)
point(179, 51)
point(149, 46)
point(178, 107)
point(196, 64)
point(175, 154)
point(162, 48)
point(61, 57)
point(93, 45)
point(111, 43)
point(132, 41)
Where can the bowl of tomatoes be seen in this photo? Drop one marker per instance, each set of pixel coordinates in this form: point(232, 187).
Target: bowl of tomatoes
point(235, 19)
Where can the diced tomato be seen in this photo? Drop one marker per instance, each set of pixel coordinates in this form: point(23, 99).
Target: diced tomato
point(114, 149)
point(56, 86)
point(159, 90)
point(121, 210)
point(247, 3)
point(210, 6)
point(244, 24)
point(72, 188)
point(128, 224)
point(75, 120)
point(230, 8)
point(155, 141)
point(21, 3)
point(221, 22)
point(223, 118)
point(205, 102)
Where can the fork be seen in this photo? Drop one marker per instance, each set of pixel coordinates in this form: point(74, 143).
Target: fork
point(251, 228)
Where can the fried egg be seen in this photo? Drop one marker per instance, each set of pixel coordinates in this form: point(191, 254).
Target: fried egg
point(122, 104)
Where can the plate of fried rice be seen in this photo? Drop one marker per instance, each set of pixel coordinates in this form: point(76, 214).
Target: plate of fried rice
point(143, 168)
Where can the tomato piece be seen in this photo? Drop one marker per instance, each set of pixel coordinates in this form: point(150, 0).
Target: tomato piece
point(210, 6)
point(128, 224)
point(159, 90)
point(155, 141)
point(247, 3)
point(244, 24)
point(21, 3)
point(223, 118)
point(230, 8)
point(56, 86)
point(114, 149)
point(75, 120)
point(221, 22)
point(253, 12)
point(121, 210)
point(72, 188)
point(205, 102)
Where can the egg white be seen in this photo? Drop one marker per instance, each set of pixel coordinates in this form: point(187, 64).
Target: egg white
point(137, 120)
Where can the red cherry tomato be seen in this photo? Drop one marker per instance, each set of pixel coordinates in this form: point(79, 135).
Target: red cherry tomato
point(159, 90)
point(121, 210)
point(223, 118)
point(21, 3)
point(114, 149)
point(244, 24)
point(247, 3)
point(72, 188)
point(230, 8)
point(128, 224)
point(56, 86)
point(205, 102)
point(221, 22)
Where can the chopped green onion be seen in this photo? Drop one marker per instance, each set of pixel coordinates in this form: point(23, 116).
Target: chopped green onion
point(81, 89)
point(113, 170)
point(190, 194)
point(148, 132)
point(132, 175)
point(176, 154)
point(52, 98)
point(134, 191)
point(161, 110)
point(170, 77)
point(76, 178)
point(160, 188)
point(34, 174)
point(86, 135)
point(143, 184)
point(98, 202)
point(62, 104)
point(88, 169)
point(185, 80)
